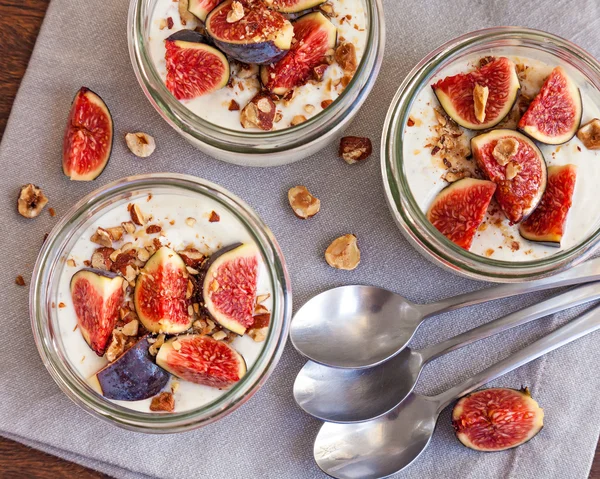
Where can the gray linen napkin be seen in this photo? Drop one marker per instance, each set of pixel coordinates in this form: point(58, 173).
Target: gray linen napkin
point(84, 43)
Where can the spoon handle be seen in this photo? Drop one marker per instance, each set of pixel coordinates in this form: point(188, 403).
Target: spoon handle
point(569, 299)
point(575, 329)
point(583, 273)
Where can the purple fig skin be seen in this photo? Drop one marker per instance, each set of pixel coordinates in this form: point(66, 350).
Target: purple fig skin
point(133, 376)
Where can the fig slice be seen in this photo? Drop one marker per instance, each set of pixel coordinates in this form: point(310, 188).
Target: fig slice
point(547, 223)
point(229, 288)
point(249, 32)
point(193, 67)
point(497, 419)
point(293, 6)
point(456, 94)
point(314, 37)
point(132, 377)
point(160, 293)
point(97, 297)
point(202, 360)
point(88, 138)
point(201, 8)
point(518, 169)
point(459, 209)
point(554, 115)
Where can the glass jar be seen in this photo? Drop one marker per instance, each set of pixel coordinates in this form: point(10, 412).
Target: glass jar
point(517, 41)
point(51, 263)
point(256, 148)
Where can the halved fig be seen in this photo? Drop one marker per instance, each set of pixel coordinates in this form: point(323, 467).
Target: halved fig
point(88, 138)
point(554, 115)
point(132, 377)
point(497, 419)
point(457, 94)
point(459, 209)
point(517, 166)
point(160, 293)
point(292, 6)
point(229, 288)
point(314, 37)
point(201, 8)
point(249, 32)
point(202, 360)
point(547, 223)
point(97, 297)
point(193, 67)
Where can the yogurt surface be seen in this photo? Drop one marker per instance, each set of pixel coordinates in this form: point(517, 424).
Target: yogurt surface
point(205, 236)
point(496, 238)
point(350, 20)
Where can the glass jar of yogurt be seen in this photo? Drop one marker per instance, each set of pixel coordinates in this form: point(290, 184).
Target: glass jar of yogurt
point(170, 200)
point(413, 176)
point(207, 122)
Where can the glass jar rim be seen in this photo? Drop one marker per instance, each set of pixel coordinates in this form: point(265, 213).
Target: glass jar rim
point(401, 201)
point(70, 381)
point(179, 116)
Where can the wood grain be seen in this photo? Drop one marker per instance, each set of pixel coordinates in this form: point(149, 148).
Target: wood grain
point(20, 22)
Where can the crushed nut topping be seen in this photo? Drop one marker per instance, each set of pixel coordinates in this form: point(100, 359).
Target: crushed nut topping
point(345, 56)
point(236, 13)
point(131, 328)
point(219, 335)
point(354, 149)
point(449, 140)
point(129, 227)
point(327, 9)
point(505, 150)
point(319, 72)
point(101, 259)
point(101, 237)
point(140, 144)
point(136, 214)
point(259, 113)
point(326, 103)
point(343, 253)
point(234, 105)
point(170, 23)
point(480, 98)
point(589, 134)
point(164, 402)
point(512, 170)
point(156, 344)
point(304, 205)
point(309, 108)
point(190, 221)
point(297, 120)
point(20, 281)
point(31, 201)
point(454, 174)
point(71, 262)
point(153, 229)
point(117, 345)
point(184, 14)
point(116, 232)
point(247, 70)
point(214, 217)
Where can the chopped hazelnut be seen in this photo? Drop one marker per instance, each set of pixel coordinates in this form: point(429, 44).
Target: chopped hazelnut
point(257, 335)
point(20, 281)
point(116, 232)
point(354, 148)
point(176, 345)
point(343, 253)
point(143, 255)
point(129, 227)
point(153, 229)
point(116, 346)
point(214, 217)
point(236, 13)
point(102, 238)
point(131, 328)
point(345, 56)
point(247, 70)
point(136, 214)
point(190, 221)
point(589, 134)
point(219, 335)
point(480, 98)
point(140, 144)
point(297, 120)
point(261, 298)
point(512, 170)
point(505, 150)
point(184, 14)
point(101, 258)
point(31, 201)
point(164, 402)
point(309, 108)
point(71, 263)
point(326, 103)
point(234, 105)
point(319, 72)
point(454, 175)
point(259, 113)
point(170, 23)
point(156, 344)
point(304, 205)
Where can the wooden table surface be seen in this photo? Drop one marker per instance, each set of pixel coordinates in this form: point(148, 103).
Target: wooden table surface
point(20, 22)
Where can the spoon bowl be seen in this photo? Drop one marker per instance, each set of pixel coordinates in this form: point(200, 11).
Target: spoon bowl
point(354, 395)
point(377, 448)
point(354, 326)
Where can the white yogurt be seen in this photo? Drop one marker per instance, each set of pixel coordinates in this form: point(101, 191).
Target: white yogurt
point(205, 236)
point(213, 107)
point(424, 172)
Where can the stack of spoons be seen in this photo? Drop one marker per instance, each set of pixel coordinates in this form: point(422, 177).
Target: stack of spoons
point(361, 373)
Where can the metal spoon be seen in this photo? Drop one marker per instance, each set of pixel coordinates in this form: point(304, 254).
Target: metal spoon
point(355, 395)
point(362, 326)
point(386, 445)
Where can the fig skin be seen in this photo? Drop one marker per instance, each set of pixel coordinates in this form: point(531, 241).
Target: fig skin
point(132, 377)
point(518, 405)
point(268, 50)
point(297, 7)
